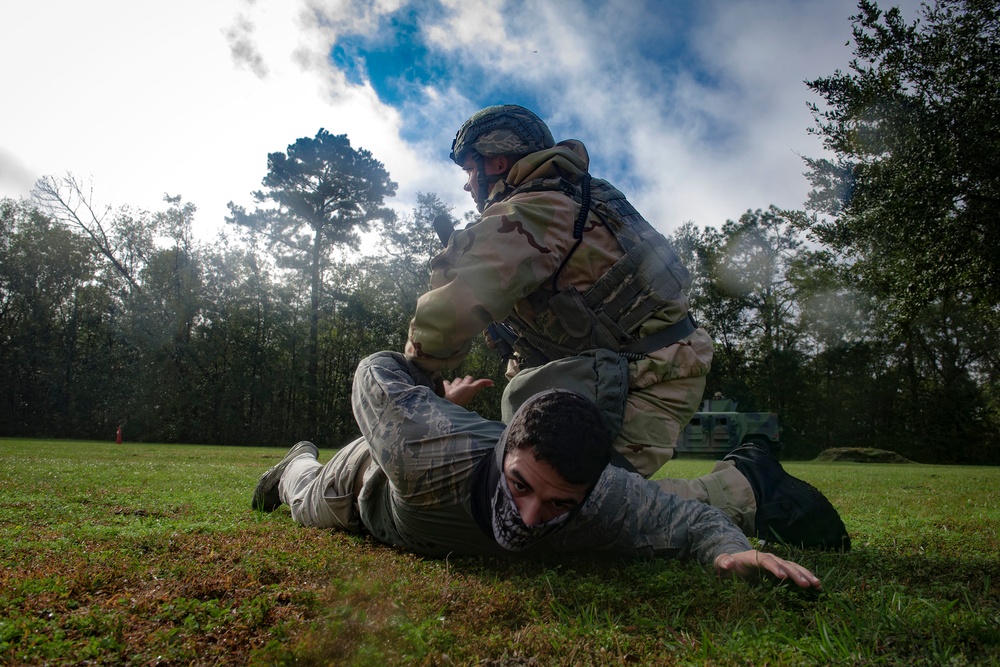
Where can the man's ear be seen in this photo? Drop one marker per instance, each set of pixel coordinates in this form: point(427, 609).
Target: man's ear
point(499, 164)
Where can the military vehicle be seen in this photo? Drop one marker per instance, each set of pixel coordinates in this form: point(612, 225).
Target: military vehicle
point(718, 429)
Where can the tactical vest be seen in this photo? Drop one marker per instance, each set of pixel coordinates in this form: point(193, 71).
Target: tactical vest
point(607, 315)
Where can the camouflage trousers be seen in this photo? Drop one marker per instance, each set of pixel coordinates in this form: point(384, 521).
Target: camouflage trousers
point(407, 482)
point(325, 496)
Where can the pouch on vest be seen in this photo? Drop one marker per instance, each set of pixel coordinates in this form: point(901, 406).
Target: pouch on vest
point(600, 375)
point(641, 283)
point(573, 314)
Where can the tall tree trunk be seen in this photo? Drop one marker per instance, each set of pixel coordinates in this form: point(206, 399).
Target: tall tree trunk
point(312, 381)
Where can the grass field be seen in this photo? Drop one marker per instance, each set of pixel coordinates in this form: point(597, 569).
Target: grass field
point(149, 555)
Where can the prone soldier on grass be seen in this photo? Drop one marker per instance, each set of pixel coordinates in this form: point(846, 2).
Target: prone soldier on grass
point(430, 476)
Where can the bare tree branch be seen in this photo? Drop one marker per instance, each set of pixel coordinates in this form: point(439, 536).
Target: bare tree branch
point(66, 200)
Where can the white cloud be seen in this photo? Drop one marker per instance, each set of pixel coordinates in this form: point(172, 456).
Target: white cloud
point(701, 144)
point(479, 25)
point(189, 97)
point(153, 99)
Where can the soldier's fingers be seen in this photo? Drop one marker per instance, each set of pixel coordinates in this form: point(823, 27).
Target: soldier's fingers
point(734, 565)
point(787, 570)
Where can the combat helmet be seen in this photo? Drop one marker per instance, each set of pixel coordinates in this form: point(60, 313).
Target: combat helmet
point(504, 129)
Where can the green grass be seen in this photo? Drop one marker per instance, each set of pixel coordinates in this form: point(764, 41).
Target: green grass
point(149, 555)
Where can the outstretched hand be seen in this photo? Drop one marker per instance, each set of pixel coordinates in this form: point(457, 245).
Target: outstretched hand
point(753, 562)
point(462, 390)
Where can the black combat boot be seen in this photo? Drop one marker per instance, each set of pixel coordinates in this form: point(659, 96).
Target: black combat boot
point(788, 509)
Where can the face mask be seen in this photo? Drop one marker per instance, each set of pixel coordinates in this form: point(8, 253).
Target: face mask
point(509, 530)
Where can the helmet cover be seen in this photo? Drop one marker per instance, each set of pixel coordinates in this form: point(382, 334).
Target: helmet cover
point(505, 129)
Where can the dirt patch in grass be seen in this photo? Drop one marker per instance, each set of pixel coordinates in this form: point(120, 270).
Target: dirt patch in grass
point(185, 599)
point(861, 455)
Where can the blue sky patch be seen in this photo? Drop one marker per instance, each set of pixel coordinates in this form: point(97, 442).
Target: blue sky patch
point(395, 60)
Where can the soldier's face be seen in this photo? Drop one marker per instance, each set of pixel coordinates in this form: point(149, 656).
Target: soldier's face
point(492, 167)
point(540, 493)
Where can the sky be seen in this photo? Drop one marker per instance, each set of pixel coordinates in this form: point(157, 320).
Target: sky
point(697, 111)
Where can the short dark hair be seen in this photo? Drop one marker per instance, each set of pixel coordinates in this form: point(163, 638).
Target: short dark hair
point(565, 430)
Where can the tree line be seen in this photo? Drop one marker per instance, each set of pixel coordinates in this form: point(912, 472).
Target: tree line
point(869, 319)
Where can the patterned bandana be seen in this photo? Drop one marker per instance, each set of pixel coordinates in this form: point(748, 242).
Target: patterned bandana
point(509, 530)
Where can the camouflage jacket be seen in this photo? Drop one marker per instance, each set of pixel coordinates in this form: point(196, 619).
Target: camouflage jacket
point(503, 265)
point(417, 494)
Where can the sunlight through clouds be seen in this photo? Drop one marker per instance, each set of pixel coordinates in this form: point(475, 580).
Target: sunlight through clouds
point(696, 110)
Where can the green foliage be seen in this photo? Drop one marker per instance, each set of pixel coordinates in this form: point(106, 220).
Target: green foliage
point(142, 554)
point(123, 238)
point(210, 344)
point(754, 283)
point(887, 329)
point(752, 268)
point(793, 335)
point(46, 302)
point(912, 198)
point(915, 188)
point(323, 190)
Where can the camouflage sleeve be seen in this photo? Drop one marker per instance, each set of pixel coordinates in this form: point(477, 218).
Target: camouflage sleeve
point(631, 516)
point(426, 445)
point(487, 268)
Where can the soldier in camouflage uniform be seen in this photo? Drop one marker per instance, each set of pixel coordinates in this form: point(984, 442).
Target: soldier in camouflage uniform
point(431, 477)
point(593, 292)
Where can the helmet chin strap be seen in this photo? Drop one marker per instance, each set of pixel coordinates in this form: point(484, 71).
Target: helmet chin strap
point(483, 182)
